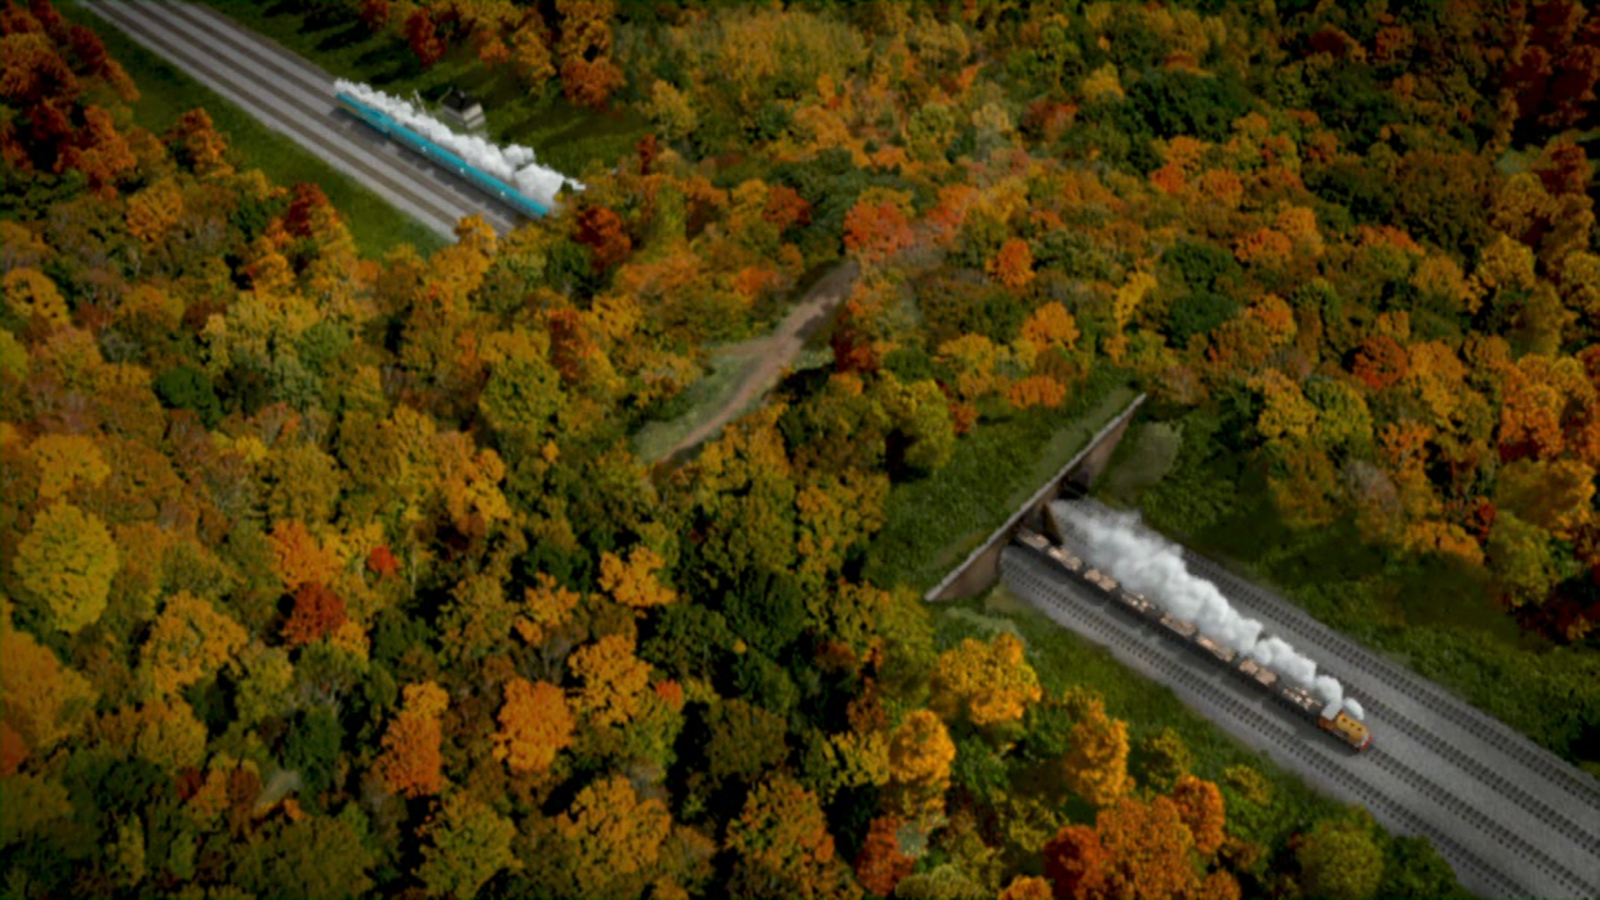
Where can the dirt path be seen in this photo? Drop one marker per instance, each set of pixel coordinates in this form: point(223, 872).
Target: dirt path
point(778, 350)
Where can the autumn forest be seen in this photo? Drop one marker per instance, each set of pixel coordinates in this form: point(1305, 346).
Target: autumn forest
point(332, 564)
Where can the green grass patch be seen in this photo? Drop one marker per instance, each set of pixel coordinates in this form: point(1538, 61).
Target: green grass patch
point(1432, 614)
point(165, 94)
point(565, 137)
point(1145, 454)
point(934, 522)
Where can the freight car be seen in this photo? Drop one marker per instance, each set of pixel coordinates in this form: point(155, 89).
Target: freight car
point(1330, 717)
point(386, 125)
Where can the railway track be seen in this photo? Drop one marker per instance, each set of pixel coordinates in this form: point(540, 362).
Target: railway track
point(1039, 582)
point(290, 96)
point(1248, 595)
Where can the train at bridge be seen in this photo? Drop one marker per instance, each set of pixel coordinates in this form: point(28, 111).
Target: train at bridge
point(1331, 718)
point(389, 127)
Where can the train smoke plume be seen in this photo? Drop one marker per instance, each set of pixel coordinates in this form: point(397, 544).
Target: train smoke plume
point(1147, 564)
point(512, 164)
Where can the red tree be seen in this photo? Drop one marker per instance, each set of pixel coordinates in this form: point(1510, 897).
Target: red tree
point(375, 13)
point(786, 208)
point(308, 205)
point(381, 562)
point(602, 231)
point(591, 82)
point(1076, 863)
point(876, 230)
point(880, 865)
point(1380, 362)
point(317, 613)
point(423, 37)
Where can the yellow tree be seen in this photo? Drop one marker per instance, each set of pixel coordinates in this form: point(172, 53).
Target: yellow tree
point(781, 846)
point(1027, 887)
point(613, 838)
point(469, 484)
point(920, 754)
point(535, 724)
point(31, 294)
point(973, 358)
point(1051, 326)
point(66, 461)
point(991, 684)
point(154, 211)
point(1286, 410)
point(613, 678)
point(163, 731)
point(187, 642)
point(1097, 765)
point(634, 582)
point(43, 700)
point(67, 561)
point(837, 511)
point(547, 608)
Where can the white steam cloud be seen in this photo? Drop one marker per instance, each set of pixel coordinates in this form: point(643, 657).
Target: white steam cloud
point(1147, 564)
point(513, 164)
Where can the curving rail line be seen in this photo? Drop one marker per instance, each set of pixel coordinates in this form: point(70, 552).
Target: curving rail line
point(1021, 570)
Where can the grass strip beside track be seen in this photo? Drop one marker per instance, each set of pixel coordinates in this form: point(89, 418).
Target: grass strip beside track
point(165, 94)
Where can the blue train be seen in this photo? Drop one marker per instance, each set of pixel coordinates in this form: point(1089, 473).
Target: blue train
point(386, 125)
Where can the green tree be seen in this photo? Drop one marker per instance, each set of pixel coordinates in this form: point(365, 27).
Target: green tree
point(920, 414)
point(1414, 870)
point(524, 389)
point(1522, 559)
point(313, 748)
point(1162, 759)
point(468, 844)
point(1340, 860)
point(315, 857)
point(746, 741)
point(185, 387)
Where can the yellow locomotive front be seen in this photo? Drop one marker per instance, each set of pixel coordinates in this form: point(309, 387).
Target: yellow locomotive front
point(1348, 729)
